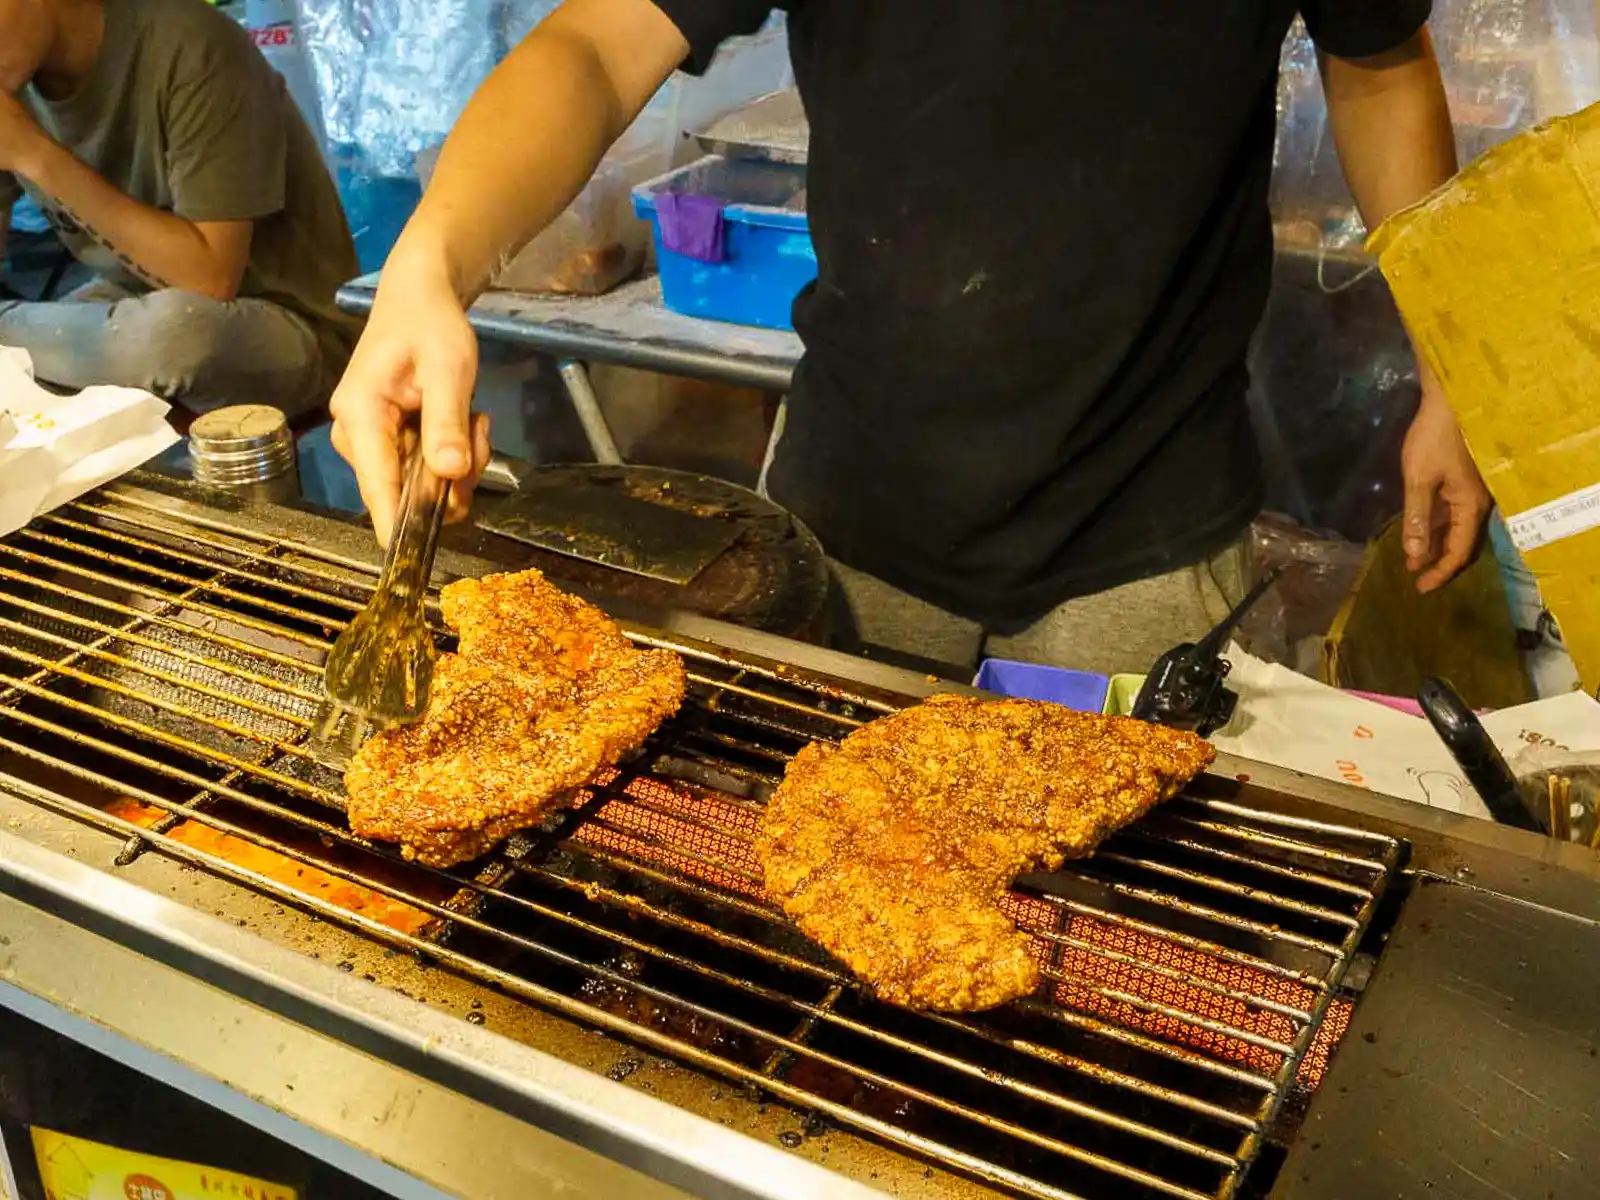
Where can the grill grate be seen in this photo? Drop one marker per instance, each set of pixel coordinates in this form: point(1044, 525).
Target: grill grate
point(158, 679)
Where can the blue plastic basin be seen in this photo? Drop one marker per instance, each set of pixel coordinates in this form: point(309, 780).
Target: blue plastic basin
point(766, 255)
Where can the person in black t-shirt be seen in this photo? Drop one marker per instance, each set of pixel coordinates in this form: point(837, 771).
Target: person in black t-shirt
point(1043, 243)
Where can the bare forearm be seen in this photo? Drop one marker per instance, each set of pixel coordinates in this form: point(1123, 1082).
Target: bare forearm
point(1392, 127)
point(534, 133)
point(525, 146)
point(1391, 124)
point(162, 249)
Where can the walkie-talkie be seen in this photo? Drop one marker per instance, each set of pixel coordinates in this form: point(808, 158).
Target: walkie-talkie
point(1184, 689)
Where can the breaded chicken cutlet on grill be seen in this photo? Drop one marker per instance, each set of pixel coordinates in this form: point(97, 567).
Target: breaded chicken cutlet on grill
point(893, 849)
point(543, 691)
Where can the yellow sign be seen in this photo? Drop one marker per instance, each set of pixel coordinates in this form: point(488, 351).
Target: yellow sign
point(73, 1169)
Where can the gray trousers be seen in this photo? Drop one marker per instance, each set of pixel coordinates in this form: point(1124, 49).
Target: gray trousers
point(1115, 632)
point(1119, 631)
point(186, 348)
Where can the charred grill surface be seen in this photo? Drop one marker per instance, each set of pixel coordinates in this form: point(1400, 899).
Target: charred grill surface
point(159, 677)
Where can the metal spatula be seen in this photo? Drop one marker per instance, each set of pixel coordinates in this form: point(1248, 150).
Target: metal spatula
point(379, 671)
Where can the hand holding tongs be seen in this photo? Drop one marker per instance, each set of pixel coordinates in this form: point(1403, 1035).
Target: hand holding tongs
point(379, 671)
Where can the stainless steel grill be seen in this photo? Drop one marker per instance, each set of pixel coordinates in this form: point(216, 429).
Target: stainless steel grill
point(158, 678)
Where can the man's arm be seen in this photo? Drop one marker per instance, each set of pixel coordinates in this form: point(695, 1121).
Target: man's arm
point(163, 249)
point(525, 146)
point(1391, 124)
point(533, 134)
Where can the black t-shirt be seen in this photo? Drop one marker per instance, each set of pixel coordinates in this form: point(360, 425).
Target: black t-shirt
point(1043, 245)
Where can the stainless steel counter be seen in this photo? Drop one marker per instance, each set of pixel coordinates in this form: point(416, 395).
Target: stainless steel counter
point(336, 1038)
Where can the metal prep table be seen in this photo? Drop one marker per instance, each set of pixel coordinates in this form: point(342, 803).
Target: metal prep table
point(631, 326)
point(628, 327)
point(1271, 986)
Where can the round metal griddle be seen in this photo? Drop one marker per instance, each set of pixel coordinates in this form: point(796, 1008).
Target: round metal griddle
point(772, 576)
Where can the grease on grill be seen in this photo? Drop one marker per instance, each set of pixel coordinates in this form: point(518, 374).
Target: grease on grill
point(280, 869)
point(684, 1026)
point(705, 836)
point(645, 919)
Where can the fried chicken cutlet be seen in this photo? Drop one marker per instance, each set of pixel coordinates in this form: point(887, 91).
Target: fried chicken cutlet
point(893, 849)
point(543, 691)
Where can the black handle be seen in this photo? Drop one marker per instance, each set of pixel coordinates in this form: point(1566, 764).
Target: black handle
point(1474, 750)
point(1211, 645)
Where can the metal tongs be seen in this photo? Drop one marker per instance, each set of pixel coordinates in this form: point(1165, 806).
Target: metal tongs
point(380, 670)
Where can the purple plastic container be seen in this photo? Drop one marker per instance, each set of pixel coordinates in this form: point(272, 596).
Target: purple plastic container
point(1083, 691)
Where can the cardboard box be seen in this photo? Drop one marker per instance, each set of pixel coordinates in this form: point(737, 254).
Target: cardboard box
point(1498, 277)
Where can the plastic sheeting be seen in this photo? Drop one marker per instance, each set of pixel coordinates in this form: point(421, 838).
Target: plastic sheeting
point(395, 74)
point(272, 24)
point(1335, 383)
point(1507, 64)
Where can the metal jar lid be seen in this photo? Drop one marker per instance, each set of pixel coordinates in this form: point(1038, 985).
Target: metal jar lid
point(245, 444)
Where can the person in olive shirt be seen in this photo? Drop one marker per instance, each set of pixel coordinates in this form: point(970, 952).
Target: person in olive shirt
point(1043, 243)
point(171, 160)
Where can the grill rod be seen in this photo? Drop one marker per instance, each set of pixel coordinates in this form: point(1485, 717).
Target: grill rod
point(444, 913)
point(745, 749)
point(320, 645)
point(662, 1043)
point(331, 800)
point(343, 837)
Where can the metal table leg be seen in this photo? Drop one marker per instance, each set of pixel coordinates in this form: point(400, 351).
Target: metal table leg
point(576, 379)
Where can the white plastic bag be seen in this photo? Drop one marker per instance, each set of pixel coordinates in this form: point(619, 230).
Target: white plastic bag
point(1291, 721)
point(55, 448)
